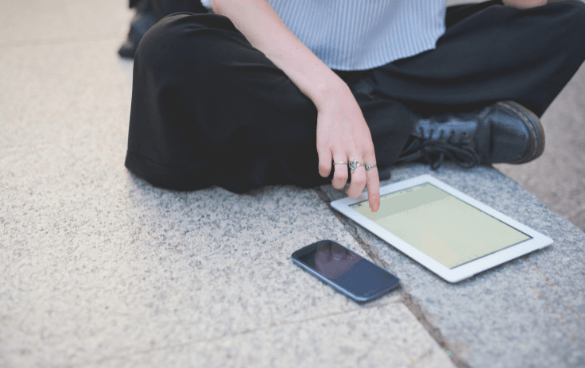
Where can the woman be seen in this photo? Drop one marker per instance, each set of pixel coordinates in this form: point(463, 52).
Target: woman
point(281, 92)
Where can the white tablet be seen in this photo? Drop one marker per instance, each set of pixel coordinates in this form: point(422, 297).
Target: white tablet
point(446, 231)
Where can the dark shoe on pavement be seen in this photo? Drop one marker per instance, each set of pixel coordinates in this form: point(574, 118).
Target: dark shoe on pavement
point(143, 20)
point(505, 132)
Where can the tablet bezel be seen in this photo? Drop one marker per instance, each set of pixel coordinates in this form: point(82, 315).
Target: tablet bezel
point(465, 270)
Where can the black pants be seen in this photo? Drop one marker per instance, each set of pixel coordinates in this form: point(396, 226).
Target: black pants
point(162, 8)
point(209, 109)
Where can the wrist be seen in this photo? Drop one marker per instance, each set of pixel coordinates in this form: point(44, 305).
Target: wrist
point(329, 92)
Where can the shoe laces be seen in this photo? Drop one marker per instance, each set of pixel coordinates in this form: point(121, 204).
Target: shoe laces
point(435, 151)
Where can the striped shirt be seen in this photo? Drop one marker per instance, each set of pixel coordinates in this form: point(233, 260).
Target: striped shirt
point(362, 34)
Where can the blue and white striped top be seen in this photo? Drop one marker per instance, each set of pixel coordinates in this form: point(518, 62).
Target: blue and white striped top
point(362, 34)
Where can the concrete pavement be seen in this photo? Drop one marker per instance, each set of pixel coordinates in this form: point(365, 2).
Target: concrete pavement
point(99, 269)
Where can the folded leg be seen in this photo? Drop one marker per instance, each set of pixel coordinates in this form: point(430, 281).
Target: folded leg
point(208, 108)
point(491, 53)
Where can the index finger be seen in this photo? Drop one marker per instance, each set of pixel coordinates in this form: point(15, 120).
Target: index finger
point(373, 188)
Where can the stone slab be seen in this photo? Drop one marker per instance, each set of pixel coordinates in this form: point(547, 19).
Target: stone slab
point(358, 338)
point(98, 265)
point(97, 276)
point(529, 312)
point(64, 93)
point(98, 268)
point(35, 22)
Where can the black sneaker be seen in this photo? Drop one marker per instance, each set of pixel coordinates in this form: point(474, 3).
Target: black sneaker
point(505, 132)
point(143, 20)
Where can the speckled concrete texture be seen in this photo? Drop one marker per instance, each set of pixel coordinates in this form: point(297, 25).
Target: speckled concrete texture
point(35, 22)
point(99, 269)
point(349, 339)
point(529, 312)
point(123, 272)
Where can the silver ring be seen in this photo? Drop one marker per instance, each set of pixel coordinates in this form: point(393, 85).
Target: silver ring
point(339, 163)
point(353, 165)
point(369, 167)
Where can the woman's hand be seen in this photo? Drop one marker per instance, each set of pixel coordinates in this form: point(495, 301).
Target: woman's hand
point(343, 135)
point(342, 132)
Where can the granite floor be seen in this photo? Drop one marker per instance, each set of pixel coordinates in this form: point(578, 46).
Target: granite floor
point(526, 313)
point(99, 269)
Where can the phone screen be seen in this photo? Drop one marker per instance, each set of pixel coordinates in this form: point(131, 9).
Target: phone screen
point(344, 269)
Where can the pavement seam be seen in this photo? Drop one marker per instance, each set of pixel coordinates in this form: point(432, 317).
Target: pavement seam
point(408, 300)
point(417, 310)
point(235, 334)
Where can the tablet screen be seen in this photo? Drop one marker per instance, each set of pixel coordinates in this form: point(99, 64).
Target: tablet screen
point(442, 226)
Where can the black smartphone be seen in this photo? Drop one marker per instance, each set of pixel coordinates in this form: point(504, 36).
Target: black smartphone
point(345, 270)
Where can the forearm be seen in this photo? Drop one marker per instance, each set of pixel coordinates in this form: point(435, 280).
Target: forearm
point(265, 31)
point(524, 4)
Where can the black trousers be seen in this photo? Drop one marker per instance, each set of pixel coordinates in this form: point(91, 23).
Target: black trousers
point(209, 109)
point(162, 8)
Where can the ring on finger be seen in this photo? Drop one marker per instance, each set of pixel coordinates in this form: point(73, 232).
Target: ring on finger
point(354, 164)
point(370, 166)
point(339, 163)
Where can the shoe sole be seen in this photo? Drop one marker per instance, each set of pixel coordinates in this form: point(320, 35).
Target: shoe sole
point(534, 126)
